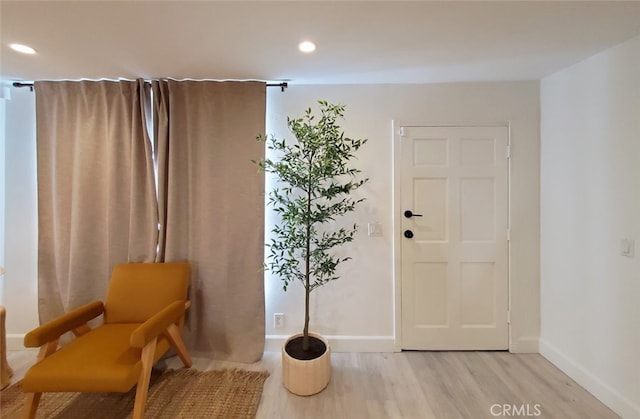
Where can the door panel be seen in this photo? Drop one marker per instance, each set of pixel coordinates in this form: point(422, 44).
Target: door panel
point(454, 268)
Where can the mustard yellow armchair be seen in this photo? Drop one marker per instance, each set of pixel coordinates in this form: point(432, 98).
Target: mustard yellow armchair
point(143, 315)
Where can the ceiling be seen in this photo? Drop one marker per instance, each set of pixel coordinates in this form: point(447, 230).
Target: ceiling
point(358, 41)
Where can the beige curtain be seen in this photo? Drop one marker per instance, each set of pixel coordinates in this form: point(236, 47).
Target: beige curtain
point(96, 197)
point(211, 205)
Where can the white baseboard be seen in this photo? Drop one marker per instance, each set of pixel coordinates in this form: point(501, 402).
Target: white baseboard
point(341, 343)
point(601, 390)
point(15, 342)
point(525, 345)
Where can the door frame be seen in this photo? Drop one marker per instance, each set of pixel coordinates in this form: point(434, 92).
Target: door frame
point(397, 220)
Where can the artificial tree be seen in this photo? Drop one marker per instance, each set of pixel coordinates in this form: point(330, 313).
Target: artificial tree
point(315, 182)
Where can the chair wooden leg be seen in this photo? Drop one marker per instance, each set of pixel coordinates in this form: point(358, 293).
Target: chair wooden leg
point(31, 405)
point(142, 389)
point(173, 334)
point(5, 369)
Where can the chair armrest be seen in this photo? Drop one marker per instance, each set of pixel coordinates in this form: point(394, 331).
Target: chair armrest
point(157, 324)
point(57, 327)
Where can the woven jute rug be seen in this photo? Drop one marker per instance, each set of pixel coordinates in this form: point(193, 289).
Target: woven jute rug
point(184, 393)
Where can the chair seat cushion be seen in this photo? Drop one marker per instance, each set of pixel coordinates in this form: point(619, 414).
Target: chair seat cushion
point(99, 361)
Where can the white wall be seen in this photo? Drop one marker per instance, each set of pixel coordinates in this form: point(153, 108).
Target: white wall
point(21, 218)
point(4, 96)
point(590, 200)
point(356, 312)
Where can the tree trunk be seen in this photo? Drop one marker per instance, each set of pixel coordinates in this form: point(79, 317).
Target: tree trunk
point(307, 285)
point(305, 332)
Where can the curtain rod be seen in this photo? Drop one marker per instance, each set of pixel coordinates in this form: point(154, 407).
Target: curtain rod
point(282, 85)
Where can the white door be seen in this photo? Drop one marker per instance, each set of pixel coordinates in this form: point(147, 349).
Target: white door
point(454, 246)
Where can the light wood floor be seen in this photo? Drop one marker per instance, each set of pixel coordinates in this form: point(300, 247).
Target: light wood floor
point(420, 385)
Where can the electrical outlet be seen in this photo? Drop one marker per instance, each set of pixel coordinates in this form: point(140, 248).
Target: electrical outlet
point(278, 320)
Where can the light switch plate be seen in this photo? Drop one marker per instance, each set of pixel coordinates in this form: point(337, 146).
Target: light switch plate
point(375, 229)
point(627, 247)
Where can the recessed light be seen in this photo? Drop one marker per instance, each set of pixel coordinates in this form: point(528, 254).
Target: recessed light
point(307, 46)
point(22, 48)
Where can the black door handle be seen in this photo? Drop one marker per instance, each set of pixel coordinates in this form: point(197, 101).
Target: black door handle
point(410, 214)
point(408, 234)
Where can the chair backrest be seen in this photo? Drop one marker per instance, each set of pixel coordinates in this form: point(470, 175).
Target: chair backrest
point(137, 291)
